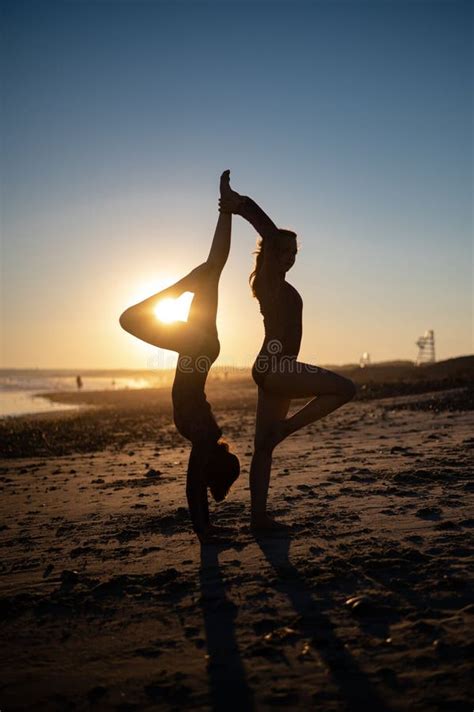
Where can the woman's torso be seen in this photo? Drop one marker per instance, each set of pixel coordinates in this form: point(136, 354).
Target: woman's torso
point(191, 410)
point(282, 318)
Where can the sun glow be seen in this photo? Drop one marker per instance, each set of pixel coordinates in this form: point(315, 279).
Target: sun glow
point(170, 310)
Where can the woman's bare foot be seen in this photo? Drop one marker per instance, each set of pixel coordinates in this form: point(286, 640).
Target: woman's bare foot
point(226, 190)
point(230, 200)
point(265, 523)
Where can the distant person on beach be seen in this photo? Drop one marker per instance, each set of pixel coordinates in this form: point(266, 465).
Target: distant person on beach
point(211, 464)
point(78, 383)
point(280, 377)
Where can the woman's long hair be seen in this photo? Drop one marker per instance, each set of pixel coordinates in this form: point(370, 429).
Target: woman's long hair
point(272, 243)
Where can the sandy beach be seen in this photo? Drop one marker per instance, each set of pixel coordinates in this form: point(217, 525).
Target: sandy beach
point(108, 601)
point(193, 192)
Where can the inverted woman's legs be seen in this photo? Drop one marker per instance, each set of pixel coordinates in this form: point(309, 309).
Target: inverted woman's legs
point(184, 337)
point(140, 319)
point(203, 310)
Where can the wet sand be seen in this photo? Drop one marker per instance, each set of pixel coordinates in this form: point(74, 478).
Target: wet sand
point(108, 601)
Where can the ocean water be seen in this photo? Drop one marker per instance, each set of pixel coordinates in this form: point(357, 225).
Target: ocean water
point(20, 389)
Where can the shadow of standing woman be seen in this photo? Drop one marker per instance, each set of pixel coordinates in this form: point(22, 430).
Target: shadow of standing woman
point(357, 691)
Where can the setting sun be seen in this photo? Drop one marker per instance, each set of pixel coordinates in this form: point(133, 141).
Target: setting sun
point(169, 310)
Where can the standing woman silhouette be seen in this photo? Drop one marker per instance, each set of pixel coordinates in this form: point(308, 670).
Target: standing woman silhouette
point(280, 377)
point(196, 341)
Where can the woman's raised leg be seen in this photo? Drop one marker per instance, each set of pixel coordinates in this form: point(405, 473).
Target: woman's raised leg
point(141, 321)
point(203, 281)
point(203, 311)
point(330, 391)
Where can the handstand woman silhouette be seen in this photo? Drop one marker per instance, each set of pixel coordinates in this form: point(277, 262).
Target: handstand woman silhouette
point(196, 341)
point(276, 371)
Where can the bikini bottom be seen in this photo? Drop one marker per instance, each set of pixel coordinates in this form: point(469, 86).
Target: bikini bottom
point(262, 368)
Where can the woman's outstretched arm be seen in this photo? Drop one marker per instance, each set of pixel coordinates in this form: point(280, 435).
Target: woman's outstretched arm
point(247, 208)
point(253, 213)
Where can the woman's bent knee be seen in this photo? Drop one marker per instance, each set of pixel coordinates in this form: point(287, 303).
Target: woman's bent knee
point(349, 390)
point(339, 386)
point(125, 321)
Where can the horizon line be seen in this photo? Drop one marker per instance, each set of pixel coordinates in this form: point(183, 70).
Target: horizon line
point(214, 368)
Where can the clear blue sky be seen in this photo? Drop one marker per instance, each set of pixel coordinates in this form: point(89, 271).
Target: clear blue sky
point(350, 122)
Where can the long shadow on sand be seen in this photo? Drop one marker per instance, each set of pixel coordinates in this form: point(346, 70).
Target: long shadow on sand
point(354, 685)
point(227, 680)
